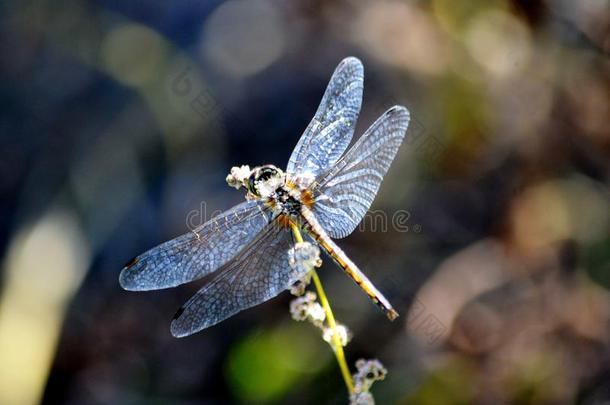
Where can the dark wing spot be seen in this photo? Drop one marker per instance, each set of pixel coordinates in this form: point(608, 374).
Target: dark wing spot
point(178, 313)
point(131, 262)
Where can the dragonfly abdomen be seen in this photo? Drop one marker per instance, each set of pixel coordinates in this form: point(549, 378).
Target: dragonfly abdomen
point(315, 230)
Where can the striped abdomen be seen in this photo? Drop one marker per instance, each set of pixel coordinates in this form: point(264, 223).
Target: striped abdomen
point(315, 230)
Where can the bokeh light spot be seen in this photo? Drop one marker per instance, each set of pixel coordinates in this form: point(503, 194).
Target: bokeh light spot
point(45, 265)
point(401, 35)
point(133, 54)
point(243, 37)
point(499, 43)
point(266, 365)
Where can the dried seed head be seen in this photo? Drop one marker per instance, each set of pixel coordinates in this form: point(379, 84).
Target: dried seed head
point(304, 257)
point(306, 308)
point(345, 335)
point(369, 371)
point(239, 176)
point(299, 287)
point(361, 398)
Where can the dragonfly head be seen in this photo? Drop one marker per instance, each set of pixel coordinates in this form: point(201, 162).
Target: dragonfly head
point(264, 180)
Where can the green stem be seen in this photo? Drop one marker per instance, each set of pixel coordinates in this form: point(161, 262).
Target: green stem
point(336, 342)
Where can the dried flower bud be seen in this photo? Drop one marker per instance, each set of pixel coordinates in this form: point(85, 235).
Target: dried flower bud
point(306, 308)
point(238, 176)
point(361, 398)
point(304, 257)
point(299, 287)
point(345, 335)
point(369, 371)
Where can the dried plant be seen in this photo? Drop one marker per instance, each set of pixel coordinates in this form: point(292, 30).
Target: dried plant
point(314, 308)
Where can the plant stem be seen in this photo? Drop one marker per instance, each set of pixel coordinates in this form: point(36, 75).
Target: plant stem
point(338, 347)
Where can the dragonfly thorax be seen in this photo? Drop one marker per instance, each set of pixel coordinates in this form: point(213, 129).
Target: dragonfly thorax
point(287, 200)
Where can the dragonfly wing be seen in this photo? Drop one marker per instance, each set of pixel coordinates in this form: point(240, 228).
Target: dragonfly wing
point(258, 273)
point(346, 191)
point(331, 129)
point(196, 253)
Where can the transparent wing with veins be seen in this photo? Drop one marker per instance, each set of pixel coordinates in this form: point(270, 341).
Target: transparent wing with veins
point(331, 129)
point(196, 253)
point(245, 247)
point(258, 273)
point(346, 190)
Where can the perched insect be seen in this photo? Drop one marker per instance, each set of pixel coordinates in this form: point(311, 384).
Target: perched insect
point(324, 192)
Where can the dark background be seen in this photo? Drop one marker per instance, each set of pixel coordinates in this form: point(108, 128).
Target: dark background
point(120, 118)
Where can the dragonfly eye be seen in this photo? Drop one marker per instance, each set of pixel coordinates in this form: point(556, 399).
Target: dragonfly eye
point(260, 177)
point(266, 172)
point(252, 183)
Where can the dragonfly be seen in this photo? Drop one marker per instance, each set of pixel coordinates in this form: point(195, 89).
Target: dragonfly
point(325, 191)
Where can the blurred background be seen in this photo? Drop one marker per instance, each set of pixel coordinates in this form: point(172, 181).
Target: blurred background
point(120, 121)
